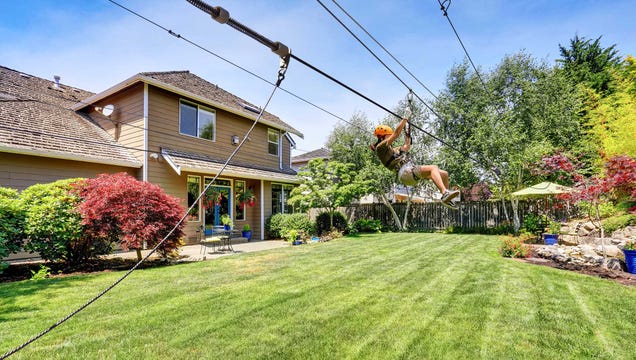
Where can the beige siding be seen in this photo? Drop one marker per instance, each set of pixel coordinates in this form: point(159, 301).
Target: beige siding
point(126, 123)
point(286, 152)
point(164, 131)
point(21, 171)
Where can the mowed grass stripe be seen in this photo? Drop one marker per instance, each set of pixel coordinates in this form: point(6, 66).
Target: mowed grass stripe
point(378, 296)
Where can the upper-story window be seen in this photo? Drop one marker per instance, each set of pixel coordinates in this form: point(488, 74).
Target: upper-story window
point(197, 121)
point(273, 141)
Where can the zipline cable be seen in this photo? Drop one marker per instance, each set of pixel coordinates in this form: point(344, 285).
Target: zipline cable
point(222, 16)
point(380, 60)
point(444, 9)
point(444, 5)
point(281, 76)
point(379, 44)
point(411, 92)
point(179, 36)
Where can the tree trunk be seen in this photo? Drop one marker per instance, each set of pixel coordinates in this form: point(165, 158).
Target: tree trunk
point(600, 225)
point(395, 216)
point(138, 250)
point(515, 214)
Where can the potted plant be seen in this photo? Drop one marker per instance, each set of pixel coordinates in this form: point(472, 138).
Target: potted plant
point(629, 250)
point(226, 221)
point(552, 236)
point(247, 232)
point(293, 236)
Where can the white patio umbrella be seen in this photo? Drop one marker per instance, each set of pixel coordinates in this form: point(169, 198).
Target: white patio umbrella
point(542, 189)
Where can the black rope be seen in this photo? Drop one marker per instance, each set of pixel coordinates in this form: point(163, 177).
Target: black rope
point(281, 76)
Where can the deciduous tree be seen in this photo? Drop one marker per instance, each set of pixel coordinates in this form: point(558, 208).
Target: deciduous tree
point(121, 208)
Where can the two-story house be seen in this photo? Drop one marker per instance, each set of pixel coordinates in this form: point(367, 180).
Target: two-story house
point(173, 129)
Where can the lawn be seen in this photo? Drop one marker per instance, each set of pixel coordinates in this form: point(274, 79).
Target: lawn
point(384, 296)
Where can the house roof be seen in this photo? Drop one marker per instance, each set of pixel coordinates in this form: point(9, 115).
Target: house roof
point(192, 86)
point(36, 119)
point(321, 153)
point(182, 161)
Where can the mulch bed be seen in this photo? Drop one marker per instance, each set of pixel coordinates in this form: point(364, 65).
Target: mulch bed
point(24, 271)
point(622, 277)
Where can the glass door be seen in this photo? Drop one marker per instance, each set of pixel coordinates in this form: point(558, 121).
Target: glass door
point(217, 202)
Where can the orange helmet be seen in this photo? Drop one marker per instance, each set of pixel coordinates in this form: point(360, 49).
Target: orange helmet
point(382, 130)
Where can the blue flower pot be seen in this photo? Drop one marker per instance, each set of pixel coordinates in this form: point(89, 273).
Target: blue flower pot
point(247, 234)
point(550, 239)
point(630, 260)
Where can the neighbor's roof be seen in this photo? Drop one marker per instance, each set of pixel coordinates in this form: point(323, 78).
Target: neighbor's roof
point(36, 119)
point(321, 153)
point(190, 85)
point(182, 161)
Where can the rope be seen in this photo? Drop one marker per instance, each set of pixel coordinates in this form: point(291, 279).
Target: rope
point(444, 5)
point(377, 58)
point(281, 76)
point(385, 50)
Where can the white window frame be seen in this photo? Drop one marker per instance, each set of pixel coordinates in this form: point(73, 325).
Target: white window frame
point(277, 143)
point(198, 125)
point(198, 206)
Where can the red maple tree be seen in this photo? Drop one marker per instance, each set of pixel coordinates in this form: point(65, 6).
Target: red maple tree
point(124, 209)
point(616, 183)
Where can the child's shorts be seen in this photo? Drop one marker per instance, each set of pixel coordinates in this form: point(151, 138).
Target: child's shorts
point(409, 174)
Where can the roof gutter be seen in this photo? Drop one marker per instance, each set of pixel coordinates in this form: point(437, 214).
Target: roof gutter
point(66, 156)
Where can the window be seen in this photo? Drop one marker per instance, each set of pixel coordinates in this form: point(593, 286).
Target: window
point(197, 121)
point(280, 194)
point(194, 189)
point(239, 188)
point(273, 140)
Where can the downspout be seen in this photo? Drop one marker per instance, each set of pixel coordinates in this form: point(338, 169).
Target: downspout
point(280, 150)
point(262, 210)
point(146, 162)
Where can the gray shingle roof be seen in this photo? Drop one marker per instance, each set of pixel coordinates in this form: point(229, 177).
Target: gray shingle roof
point(193, 84)
point(183, 161)
point(35, 118)
point(321, 153)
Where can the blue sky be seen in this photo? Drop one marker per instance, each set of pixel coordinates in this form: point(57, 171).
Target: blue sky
point(93, 44)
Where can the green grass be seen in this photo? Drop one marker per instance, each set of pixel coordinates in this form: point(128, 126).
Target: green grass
point(386, 296)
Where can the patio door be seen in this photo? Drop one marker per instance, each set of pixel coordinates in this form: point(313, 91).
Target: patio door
point(218, 202)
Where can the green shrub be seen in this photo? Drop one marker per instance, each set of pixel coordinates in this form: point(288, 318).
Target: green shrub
point(532, 223)
point(618, 222)
point(43, 273)
point(278, 225)
point(274, 225)
point(367, 226)
point(606, 209)
point(323, 222)
point(54, 226)
point(11, 224)
point(514, 247)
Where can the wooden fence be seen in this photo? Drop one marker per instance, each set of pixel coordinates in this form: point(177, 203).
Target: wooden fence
point(471, 215)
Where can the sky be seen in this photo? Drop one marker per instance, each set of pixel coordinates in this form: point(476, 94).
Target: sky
point(95, 44)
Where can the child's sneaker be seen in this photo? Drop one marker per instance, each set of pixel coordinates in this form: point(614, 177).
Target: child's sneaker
point(447, 197)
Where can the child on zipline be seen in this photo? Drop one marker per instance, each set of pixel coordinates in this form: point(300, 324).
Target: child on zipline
point(409, 174)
